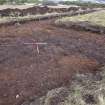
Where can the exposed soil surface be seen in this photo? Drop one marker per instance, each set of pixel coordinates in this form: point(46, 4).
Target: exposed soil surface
point(13, 11)
point(24, 73)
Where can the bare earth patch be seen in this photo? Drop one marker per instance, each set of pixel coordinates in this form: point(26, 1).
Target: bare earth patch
point(24, 74)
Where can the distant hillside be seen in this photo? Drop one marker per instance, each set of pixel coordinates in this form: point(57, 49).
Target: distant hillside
point(86, 3)
point(55, 1)
point(93, 1)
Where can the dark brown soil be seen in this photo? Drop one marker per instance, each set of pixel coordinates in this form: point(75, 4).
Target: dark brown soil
point(36, 10)
point(24, 73)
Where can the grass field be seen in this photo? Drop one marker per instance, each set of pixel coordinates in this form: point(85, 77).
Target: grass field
point(21, 18)
point(30, 17)
point(96, 18)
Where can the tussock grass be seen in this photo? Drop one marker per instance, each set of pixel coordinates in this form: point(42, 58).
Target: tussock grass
point(85, 89)
point(27, 18)
point(96, 18)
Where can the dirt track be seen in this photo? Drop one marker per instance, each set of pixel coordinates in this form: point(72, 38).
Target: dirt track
point(24, 73)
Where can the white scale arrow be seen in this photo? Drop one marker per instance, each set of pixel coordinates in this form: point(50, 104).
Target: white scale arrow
point(34, 43)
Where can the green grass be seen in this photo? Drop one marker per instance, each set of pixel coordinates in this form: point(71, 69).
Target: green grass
point(96, 18)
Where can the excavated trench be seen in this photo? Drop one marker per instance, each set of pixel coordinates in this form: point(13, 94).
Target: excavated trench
point(25, 74)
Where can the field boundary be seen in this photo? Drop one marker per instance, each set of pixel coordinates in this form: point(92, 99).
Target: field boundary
point(13, 20)
point(81, 26)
